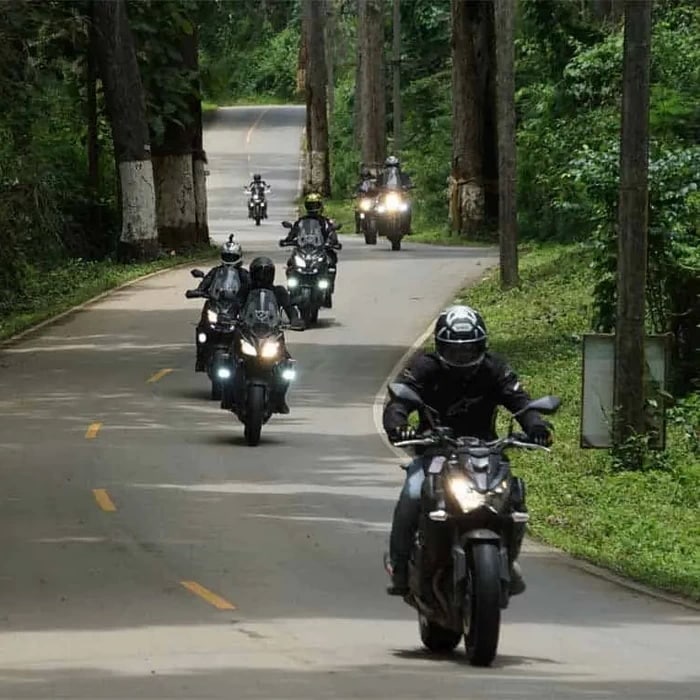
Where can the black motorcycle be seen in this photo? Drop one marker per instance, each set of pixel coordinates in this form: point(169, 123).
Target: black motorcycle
point(459, 571)
point(256, 363)
point(257, 203)
point(365, 221)
point(392, 214)
point(309, 281)
point(217, 325)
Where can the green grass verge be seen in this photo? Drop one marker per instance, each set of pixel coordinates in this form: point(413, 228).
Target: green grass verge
point(247, 101)
point(52, 292)
point(642, 524)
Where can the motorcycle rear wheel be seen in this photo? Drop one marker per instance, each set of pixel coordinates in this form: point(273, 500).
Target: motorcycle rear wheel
point(216, 390)
point(255, 408)
point(482, 619)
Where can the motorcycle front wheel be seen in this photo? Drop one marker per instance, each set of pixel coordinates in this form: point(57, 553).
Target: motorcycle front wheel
point(482, 614)
point(255, 410)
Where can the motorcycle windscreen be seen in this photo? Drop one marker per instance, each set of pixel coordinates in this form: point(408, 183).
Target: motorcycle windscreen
point(225, 280)
point(310, 235)
point(261, 312)
point(392, 179)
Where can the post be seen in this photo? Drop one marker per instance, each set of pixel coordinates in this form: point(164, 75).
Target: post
point(397, 77)
point(633, 223)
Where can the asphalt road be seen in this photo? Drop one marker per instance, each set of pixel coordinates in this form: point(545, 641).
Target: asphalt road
point(146, 552)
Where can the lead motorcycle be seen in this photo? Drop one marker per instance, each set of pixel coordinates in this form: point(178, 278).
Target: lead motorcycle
point(217, 325)
point(257, 203)
point(459, 570)
point(309, 280)
point(392, 215)
point(256, 362)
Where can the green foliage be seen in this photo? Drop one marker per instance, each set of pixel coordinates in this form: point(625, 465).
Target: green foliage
point(578, 499)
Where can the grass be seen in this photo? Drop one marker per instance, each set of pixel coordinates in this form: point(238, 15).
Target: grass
point(642, 524)
point(247, 101)
point(49, 293)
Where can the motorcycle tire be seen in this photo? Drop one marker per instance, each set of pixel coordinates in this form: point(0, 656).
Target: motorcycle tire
point(216, 390)
point(482, 618)
point(257, 221)
point(435, 638)
point(255, 410)
point(396, 244)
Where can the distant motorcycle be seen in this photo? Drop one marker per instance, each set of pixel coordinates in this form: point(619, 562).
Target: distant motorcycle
point(255, 363)
point(257, 203)
point(308, 278)
point(215, 331)
point(365, 219)
point(459, 571)
point(392, 216)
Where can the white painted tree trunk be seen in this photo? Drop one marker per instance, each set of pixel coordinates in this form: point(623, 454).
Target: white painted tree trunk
point(175, 200)
point(200, 198)
point(139, 227)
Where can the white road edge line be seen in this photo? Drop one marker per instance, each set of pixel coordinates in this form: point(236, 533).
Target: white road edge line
point(580, 564)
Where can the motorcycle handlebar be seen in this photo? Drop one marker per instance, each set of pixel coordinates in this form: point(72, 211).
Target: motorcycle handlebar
point(520, 441)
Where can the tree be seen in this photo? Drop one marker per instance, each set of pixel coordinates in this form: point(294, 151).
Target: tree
point(318, 175)
point(633, 223)
point(371, 88)
point(505, 102)
point(127, 115)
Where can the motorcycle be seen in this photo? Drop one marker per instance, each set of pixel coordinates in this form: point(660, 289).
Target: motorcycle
point(459, 570)
point(309, 279)
point(364, 218)
point(255, 363)
point(392, 215)
point(215, 330)
point(257, 204)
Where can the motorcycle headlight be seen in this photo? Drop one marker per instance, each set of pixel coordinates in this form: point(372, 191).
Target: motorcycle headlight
point(247, 348)
point(323, 284)
point(381, 209)
point(212, 316)
point(393, 202)
point(464, 493)
point(292, 282)
point(270, 349)
point(299, 261)
point(256, 199)
point(365, 204)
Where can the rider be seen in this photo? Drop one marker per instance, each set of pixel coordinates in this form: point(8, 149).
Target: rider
point(258, 186)
point(464, 383)
point(262, 276)
point(313, 204)
point(393, 178)
point(366, 187)
point(231, 261)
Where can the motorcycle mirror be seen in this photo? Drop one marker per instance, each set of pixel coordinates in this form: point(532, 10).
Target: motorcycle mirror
point(283, 243)
point(406, 394)
point(287, 224)
point(338, 227)
point(197, 273)
point(547, 404)
point(191, 294)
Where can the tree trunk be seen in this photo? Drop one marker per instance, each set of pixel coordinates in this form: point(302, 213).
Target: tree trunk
point(126, 108)
point(173, 164)
point(318, 171)
point(91, 80)
point(467, 180)
point(330, 56)
point(507, 205)
point(486, 63)
point(396, 78)
point(633, 223)
point(371, 89)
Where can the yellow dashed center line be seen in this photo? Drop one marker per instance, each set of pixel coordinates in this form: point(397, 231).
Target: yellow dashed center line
point(93, 429)
point(204, 593)
point(158, 375)
point(104, 501)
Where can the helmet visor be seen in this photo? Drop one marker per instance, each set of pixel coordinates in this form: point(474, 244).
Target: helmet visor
point(467, 354)
point(230, 257)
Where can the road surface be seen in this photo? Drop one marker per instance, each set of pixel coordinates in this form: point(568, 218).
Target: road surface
point(148, 553)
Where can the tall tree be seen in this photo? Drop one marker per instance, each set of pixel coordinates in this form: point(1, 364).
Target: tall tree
point(467, 177)
point(127, 115)
point(371, 88)
point(318, 174)
point(633, 222)
point(505, 102)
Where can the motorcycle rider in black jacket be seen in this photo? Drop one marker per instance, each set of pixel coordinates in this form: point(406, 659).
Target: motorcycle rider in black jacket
point(465, 384)
point(231, 263)
point(313, 203)
point(262, 276)
point(366, 187)
point(259, 186)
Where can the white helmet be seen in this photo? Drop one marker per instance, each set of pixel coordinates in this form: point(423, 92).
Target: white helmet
point(231, 252)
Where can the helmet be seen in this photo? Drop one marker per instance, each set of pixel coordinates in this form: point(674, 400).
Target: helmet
point(460, 338)
point(365, 172)
point(391, 162)
point(313, 203)
point(257, 177)
point(262, 272)
point(231, 252)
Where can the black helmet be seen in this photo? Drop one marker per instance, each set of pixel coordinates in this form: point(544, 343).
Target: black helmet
point(365, 172)
point(391, 162)
point(257, 177)
point(262, 272)
point(313, 203)
point(460, 337)
point(231, 252)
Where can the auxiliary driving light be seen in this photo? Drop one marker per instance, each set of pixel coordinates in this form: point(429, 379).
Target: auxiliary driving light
point(289, 375)
point(202, 338)
point(292, 282)
point(323, 284)
point(223, 373)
